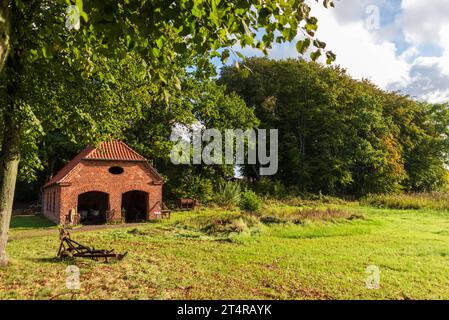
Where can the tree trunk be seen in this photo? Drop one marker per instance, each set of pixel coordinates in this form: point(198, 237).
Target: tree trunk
point(9, 153)
point(9, 162)
point(5, 26)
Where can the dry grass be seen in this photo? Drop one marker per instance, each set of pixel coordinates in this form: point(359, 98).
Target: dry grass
point(431, 200)
point(227, 226)
point(238, 226)
point(299, 216)
point(307, 201)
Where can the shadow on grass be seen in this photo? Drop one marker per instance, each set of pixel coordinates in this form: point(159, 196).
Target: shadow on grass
point(30, 222)
point(53, 260)
point(72, 261)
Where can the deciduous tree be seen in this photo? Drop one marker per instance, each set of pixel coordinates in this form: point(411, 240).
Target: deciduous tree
point(342, 136)
point(157, 31)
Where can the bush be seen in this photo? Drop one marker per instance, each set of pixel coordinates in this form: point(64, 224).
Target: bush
point(250, 201)
point(195, 187)
point(269, 188)
point(228, 194)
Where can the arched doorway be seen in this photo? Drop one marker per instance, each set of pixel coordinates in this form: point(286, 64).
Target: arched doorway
point(92, 207)
point(135, 206)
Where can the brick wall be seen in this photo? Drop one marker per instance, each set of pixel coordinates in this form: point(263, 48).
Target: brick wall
point(94, 175)
point(51, 203)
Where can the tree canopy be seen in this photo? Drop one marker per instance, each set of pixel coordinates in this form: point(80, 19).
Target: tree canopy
point(342, 136)
point(60, 59)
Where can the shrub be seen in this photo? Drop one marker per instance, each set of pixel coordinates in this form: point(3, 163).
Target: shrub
point(196, 187)
point(228, 194)
point(250, 201)
point(270, 188)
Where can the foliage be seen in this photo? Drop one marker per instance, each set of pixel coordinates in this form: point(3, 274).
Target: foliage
point(342, 136)
point(426, 144)
point(69, 111)
point(196, 187)
point(250, 201)
point(158, 31)
point(228, 193)
point(201, 104)
point(51, 66)
point(147, 132)
point(430, 201)
point(269, 188)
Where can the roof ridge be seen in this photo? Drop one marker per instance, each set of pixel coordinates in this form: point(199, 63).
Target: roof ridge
point(131, 149)
point(115, 150)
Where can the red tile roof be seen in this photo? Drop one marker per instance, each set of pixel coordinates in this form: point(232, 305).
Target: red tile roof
point(108, 150)
point(114, 150)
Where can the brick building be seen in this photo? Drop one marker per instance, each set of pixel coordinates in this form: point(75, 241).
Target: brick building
point(104, 184)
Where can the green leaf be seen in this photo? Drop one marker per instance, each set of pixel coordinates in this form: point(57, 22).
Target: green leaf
point(225, 56)
point(214, 13)
point(319, 44)
point(312, 24)
point(303, 45)
point(160, 42)
point(315, 55)
point(84, 16)
point(79, 4)
point(331, 57)
point(180, 47)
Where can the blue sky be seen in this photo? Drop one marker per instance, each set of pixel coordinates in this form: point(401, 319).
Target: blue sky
point(397, 44)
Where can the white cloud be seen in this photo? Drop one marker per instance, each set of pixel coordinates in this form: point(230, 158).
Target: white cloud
point(427, 81)
point(374, 54)
point(422, 20)
point(360, 51)
point(419, 27)
point(410, 54)
point(425, 23)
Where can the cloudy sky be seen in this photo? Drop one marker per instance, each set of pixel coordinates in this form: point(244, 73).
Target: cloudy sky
point(397, 44)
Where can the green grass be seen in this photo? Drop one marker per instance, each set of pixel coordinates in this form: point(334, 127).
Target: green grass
point(30, 222)
point(182, 259)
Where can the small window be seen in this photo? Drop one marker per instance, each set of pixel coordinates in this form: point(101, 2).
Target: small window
point(116, 170)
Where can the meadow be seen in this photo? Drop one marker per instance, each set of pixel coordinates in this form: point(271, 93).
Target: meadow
point(287, 251)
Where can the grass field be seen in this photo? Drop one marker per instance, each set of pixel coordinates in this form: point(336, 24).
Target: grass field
point(212, 254)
